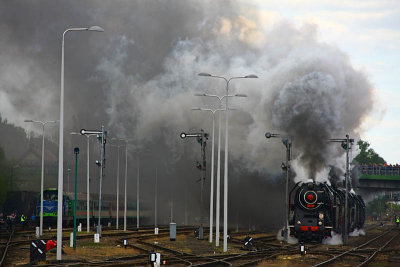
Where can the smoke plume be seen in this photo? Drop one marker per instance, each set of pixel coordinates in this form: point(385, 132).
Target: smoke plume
point(138, 78)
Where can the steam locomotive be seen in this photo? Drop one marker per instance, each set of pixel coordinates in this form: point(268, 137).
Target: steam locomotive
point(317, 210)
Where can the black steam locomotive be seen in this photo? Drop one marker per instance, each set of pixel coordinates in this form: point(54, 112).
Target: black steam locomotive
point(317, 210)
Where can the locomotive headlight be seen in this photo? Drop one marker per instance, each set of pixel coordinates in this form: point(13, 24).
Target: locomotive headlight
point(298, 222)
point(320, 223)
point(321, 215)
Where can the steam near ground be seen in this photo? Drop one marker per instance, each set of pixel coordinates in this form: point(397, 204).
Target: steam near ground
point(357, 232)
point(290, 239)
point(336, 239)
point(138, 78)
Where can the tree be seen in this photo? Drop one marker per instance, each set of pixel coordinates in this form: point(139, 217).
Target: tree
point(368, 155)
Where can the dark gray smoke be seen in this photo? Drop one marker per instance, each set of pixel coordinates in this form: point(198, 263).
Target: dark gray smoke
point(139, 76)
point(308, 109)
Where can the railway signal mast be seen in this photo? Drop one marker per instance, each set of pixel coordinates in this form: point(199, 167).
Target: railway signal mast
point(287, 141)
point(102, 138)
point(202, 138)
point(346, 143)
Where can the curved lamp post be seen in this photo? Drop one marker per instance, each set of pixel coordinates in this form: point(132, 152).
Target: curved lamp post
point(61, 142)
point(226, 150)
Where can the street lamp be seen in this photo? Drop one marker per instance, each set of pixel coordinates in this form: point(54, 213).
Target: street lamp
point(226, 151)
point(43, 123)
point(117, 215)
point(287, 141)
point(219, 159)
point(126, 179)
point(212, 169)
point(87, 180)
point(346, 144)
point(61, 141)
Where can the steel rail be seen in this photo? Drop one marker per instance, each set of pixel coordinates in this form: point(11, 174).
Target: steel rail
point(6, 248)
point(353, 249)
point(378, 250)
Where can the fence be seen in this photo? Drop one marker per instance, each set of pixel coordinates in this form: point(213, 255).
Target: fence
point(380, 169)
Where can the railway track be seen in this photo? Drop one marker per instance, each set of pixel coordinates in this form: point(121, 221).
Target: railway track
point(265, 249)
point(366, 251)
point(5, 246)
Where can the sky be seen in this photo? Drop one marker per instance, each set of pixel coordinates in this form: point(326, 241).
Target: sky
point(369, 33)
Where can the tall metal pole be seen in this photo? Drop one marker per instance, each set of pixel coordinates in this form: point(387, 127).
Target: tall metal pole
point(226, 158)
point(155, 202)
point(61, 143)
point(76, 152)
point(68, 171)
point(60, 157)
point(172, 208)
point(126, 182)
point(43, 123)
point(345, 236)
point(218, 181)
point(41, 185)
point(137, 194)
point(117, 222)
point(212, 170)
point(101, 178)
point(288, 148)
point(212, 182)
point(87, 186)
point(226, 172)
point(203, 177)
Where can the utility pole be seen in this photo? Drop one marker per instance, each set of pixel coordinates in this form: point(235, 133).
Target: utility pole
point(346, 143)
point(76, 152)
point(287, 141)
point(101, 135)
point(202, 138)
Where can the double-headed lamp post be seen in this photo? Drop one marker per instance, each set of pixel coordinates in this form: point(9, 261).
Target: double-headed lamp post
point(126, 182)
point(226, 151)
point(220, 98)
point(287, 141)
point(43, 123)
point(212, 170)
point(61, 142)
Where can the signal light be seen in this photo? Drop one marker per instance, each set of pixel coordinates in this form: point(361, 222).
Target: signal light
point(283, 166)
point(198, 165)
point(344, 145)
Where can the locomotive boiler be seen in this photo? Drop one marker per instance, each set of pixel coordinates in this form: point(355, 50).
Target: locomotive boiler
point(316, 210)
